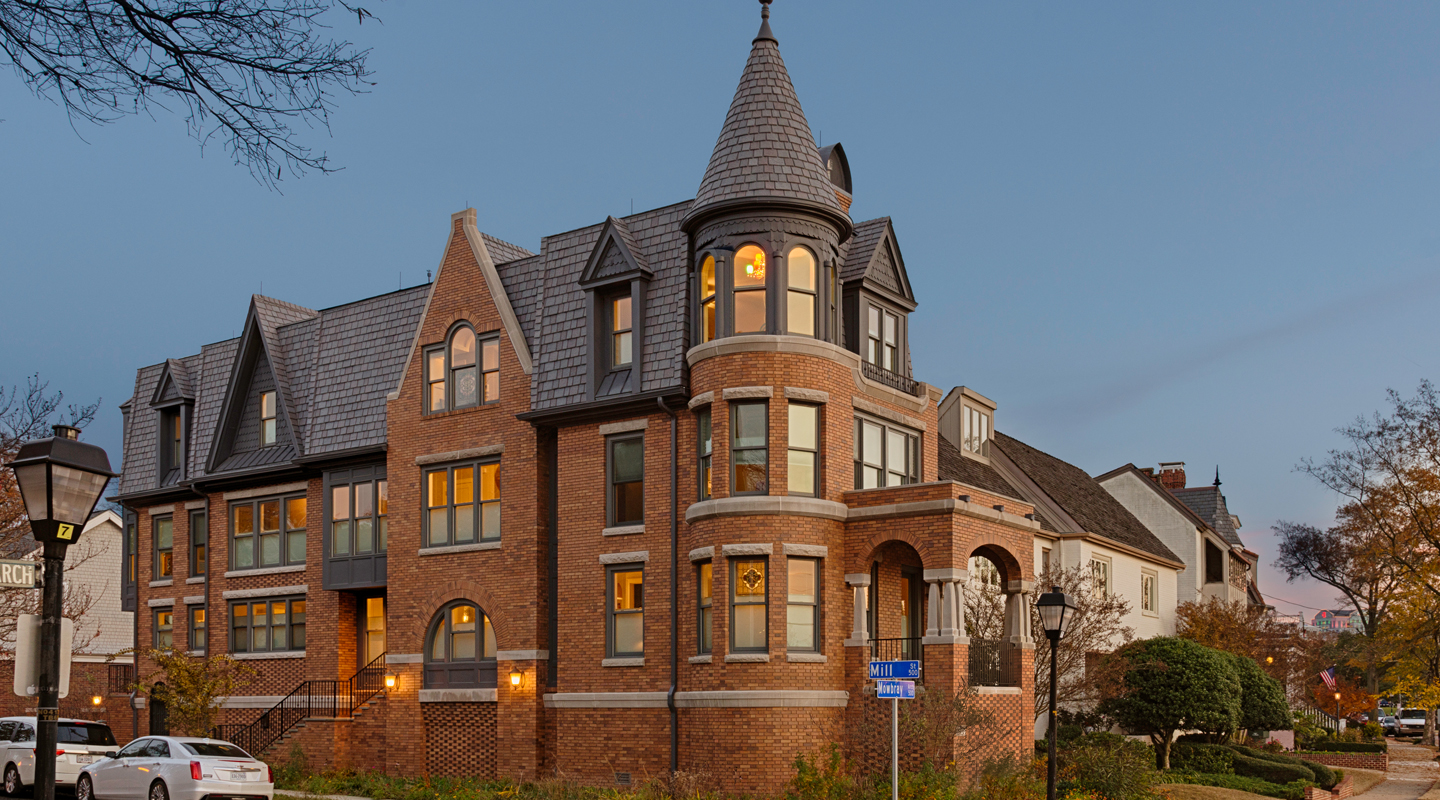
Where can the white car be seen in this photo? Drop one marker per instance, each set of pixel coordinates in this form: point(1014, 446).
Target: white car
point(78, 743)
point(176, 768)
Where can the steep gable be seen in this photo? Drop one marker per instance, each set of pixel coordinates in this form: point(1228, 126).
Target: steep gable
point(614, 257)
point(873, 260)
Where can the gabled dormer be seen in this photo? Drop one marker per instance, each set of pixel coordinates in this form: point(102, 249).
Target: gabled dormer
point(967, 420)
point(174, 402)
point(877, 300)
point(257, 423)
point(616, 280)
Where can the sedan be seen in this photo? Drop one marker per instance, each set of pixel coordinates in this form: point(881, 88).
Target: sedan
point(176, 768)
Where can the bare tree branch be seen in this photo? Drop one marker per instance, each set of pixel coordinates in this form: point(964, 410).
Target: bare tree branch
point(245, 70)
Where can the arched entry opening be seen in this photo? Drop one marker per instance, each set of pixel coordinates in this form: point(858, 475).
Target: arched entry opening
point(159, 714)
point(895, 606)
point(997, 616)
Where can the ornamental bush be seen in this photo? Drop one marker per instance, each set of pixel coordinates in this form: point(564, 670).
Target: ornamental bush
point(1272, 771)
point(1213, 758)
point(1109, 765)
point(1349, 747)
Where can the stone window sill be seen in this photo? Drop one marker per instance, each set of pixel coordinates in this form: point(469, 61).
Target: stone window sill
point(623, 662)
point(266, 656)
point(196, 579)
point(806, 658)
point(705, 659)
point(163, 582)
point(623, 530)
point(747, 658)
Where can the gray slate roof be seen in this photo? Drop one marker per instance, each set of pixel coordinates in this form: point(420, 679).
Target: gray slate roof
point(860, 250)
point(765, 148)
point(1085, 500)
point(338, 364)
point(561, 347)
point(1209, 504)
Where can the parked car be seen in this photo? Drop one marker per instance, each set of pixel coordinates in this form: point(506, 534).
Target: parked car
point(1412, 720)
point(176, 768)
point(1390, 725)
point(78, 743)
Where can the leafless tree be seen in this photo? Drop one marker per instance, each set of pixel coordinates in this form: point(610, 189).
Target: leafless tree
point(1098, 626)
point(245, 70)
point(27, 413)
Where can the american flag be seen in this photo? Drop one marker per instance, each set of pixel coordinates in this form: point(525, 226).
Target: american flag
point(1329, 677)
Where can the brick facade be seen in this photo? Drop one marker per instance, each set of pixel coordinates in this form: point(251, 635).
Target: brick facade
point(575, 709)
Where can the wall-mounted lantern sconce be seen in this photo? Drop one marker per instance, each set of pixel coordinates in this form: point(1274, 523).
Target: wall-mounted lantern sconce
point(516, 677)
point(390, 681)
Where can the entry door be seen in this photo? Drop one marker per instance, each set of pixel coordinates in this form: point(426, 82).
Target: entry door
point(372, 630)
point(910, 625)
point(159, 718)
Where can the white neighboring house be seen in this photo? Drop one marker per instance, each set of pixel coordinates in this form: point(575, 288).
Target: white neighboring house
point(1195, 524)
point(96, 557)
point(1081, 524)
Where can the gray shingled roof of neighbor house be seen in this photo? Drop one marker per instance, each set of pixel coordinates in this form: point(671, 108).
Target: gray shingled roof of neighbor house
point(1087, 502)
point(1209, 504)
point(765, 148)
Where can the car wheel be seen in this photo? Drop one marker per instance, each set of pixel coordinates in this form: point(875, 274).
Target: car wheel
point(12, 781)
point(85, 788)
point(158, 792)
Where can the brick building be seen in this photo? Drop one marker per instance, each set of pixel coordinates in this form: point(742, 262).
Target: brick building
point(648, 498)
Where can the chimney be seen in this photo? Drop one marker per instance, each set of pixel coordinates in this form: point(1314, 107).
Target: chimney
point(1172, 474)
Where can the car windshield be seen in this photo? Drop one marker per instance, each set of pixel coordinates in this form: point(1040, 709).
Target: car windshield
point(83, 733)
point(219, 749)
point(1413, 713)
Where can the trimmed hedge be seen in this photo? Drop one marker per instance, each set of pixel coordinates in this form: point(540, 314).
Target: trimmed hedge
point(1211, 758)
point(1325, 775)
point(1348, 747)
point(1287, 791)
point(1272, 771)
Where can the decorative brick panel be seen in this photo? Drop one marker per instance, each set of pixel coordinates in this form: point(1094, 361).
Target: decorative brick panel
point(460, 739)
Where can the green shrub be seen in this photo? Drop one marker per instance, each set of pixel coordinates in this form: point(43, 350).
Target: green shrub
point(1272, 771)
point(1195, 757)
point(1007, 779)
point(1069, 733)
point(823, 777)
point(1109, 765)
point(1286, 791)
point(1325, 775)
point(1349, 747)
point(1373, 731)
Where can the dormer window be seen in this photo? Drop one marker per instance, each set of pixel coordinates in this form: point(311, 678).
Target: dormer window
point(267, 419)
point(620, 332)
point(883, 338)
point(172, 444)
point(975, 430)
point(749, 290)
point(801, 296)
point(465, 383)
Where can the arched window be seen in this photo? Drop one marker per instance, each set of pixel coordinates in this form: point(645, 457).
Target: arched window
point(460, 648)
point(748, 286)
point(464, 391)
point(707, 299)
point(803, 290)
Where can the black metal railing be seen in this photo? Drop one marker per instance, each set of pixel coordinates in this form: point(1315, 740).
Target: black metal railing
point(319, 698)
point(993, 663)
point(894, 380)
point(902, 649)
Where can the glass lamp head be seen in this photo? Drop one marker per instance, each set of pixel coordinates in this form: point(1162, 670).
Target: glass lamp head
point(60, 479)
point(1056, 611)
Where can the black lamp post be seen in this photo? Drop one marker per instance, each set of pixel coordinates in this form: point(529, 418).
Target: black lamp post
point(60, 481)
point(1055, 612)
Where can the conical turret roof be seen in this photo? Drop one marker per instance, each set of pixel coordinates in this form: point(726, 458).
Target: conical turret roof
point(766, 150)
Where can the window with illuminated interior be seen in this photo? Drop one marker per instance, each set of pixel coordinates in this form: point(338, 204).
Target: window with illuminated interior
point(707, 299)
point(802, 294)
point(460, 648)
point(748, 290)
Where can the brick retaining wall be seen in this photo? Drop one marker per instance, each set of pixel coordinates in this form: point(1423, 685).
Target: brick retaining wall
point(1375, 761)
point(1346, 788)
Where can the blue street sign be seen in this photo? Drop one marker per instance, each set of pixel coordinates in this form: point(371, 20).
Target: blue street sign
point(881, 670)
point(895, 690)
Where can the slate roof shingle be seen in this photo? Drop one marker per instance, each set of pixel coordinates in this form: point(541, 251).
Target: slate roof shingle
point(954, 466)
point(765, 148)
point(1086, 501)
point(1209, 504)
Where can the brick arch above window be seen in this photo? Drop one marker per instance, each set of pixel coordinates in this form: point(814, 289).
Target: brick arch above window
point(931, 556)
point(442, 593)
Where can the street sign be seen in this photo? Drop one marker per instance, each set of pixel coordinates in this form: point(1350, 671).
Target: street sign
point(27, 655)
point(889, 670)
point(895, 690)
point(18, 574)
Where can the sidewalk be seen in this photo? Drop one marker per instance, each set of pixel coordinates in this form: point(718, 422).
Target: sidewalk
point(1412, 773)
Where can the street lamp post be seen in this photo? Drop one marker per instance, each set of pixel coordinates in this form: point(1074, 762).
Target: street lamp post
point(1338, 723)
point(1055, 612)
point(60, 480)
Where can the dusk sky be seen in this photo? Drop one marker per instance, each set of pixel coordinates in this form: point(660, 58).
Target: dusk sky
point(1150, 232)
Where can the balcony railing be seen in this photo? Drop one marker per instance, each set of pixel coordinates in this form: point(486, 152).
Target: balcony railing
point(894, 380)
point(992, 663)
point(905, 649)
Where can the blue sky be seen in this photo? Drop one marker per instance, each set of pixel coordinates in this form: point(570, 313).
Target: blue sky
point(1150, 232)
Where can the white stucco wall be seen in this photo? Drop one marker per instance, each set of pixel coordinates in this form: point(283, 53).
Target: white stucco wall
point(1125, 574)
point(1171, 527)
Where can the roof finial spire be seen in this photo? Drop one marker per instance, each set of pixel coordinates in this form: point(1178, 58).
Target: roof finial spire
point(765, 32)
point(1217, 475)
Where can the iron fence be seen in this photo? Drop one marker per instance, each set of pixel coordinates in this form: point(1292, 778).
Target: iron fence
point(894, 380)
point(318, 698)
point(901, 649)
point(992, 663)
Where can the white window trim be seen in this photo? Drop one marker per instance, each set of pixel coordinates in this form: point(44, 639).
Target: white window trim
point(1109, 571)
point(1154, 577)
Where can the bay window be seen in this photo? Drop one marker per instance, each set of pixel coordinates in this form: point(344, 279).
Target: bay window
point(358, 524)
point(885, 454)
point(804, 449)
point(802, 603)
point(749, 453)
point(706, 446)
point(707, 299)
point(802, 292)
point(748, 606)
point(748, 291)
point(705, 601)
